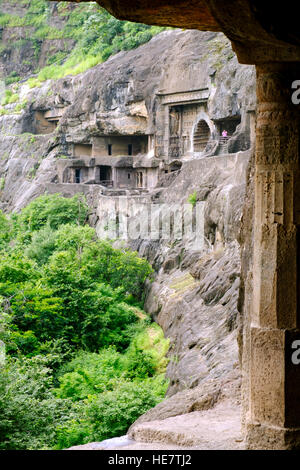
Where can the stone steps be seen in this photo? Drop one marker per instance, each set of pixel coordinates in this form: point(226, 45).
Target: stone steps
point(223, 148)
point(215, 429)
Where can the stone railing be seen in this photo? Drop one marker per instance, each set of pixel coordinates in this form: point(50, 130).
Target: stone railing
point(107, 183)
point(224, 139)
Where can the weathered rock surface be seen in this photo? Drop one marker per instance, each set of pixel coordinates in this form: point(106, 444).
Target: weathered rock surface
point(200, 398)
point(125, 443)
point(194, 295)
point(215, 429)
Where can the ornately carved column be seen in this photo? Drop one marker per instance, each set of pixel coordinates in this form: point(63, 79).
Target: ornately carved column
point(274, 395)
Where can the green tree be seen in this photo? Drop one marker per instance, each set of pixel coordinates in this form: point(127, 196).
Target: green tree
point(29, 413)
point(52, 210)
point(111, 413)
point(43, 244)
point(16, 268)
point(5, 231)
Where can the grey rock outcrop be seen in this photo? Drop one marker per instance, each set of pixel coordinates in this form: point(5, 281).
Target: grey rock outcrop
point(194, 295)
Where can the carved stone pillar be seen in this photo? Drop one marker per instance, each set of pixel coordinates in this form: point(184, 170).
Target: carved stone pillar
point(274, 389)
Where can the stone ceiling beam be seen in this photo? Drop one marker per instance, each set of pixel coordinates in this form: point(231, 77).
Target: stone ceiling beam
point(190, 14)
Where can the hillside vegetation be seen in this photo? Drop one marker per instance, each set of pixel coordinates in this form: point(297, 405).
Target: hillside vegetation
point(78, 36)
point(83, 361)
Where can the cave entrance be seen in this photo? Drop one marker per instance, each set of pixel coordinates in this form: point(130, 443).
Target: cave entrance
point(77, 175)
point(229, 125)
point(201, 136)
point(105, 174)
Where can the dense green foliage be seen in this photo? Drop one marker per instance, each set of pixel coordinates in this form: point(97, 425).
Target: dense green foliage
point(96, 33)
point(83, 360)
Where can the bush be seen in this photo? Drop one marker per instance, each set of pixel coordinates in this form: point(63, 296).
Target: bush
point(9, 98)
point(53, 211)
point(16, 268)
point(111, 326)
point(119, 268)
point(114, 411)
point(90, 374)
point(151, 343)
point(35, 309)
point(42, 246)
point(29, 413)
point(74, 237)
point(111, 413)
point(192, 199)
point(5, 228)
point(13, 77)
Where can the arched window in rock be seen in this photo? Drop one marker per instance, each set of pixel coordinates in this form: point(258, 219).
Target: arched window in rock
point(201, 136)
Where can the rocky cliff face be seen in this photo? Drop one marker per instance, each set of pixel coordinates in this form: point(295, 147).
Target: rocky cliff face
point(117, 97)
point(22, 51)
point(194, 294)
